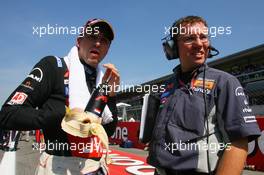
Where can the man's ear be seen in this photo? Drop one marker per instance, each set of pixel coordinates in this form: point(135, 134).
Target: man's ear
point(78, 41)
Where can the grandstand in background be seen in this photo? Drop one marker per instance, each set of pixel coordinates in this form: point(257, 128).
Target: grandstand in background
point(247, 66)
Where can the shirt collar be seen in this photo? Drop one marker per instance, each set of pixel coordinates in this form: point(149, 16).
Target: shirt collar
point(186, 77)
point(177, 69)
point(88, 69)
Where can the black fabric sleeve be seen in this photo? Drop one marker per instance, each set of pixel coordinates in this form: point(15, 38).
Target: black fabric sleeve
point(110, 127)
point(30, 106)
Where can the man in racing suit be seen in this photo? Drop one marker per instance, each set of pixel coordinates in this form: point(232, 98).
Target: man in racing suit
point(204, 123)
point(39, 101)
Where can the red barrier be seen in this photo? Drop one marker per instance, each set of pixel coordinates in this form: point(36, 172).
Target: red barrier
point(127, 130)
point(256, 149)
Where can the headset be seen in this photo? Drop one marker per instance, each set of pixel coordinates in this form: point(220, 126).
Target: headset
point(171, 49)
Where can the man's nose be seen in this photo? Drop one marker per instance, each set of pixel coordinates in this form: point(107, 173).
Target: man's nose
point(198, 42)
point(97, 43)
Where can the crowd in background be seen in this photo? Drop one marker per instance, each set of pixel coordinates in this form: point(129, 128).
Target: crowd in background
point(238, 70)
point(9, 138)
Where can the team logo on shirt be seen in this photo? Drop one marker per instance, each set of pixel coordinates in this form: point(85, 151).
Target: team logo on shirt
point(18, 98)
point(97, 111)
point(203, 86)
point(28, 85)
point(67, 74)
point(209, 84)
point(246, 110)
point(239, 91)
point(169, 86)
point(36, 74)
point(163, 100)
point(250, 119)
point(245, 102)
point(67, 90)
point(164, 96)
point(102, 97)
point(66, 81)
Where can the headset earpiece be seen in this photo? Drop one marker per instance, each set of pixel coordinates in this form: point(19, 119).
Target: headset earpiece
point(170, 49)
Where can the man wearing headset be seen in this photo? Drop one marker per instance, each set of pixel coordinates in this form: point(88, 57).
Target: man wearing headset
point(202, 126)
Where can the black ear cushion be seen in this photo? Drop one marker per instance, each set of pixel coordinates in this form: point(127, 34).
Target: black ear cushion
point(170, 49)
point(176, 51)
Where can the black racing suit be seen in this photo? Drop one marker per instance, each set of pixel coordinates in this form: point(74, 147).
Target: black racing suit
point(39, 103)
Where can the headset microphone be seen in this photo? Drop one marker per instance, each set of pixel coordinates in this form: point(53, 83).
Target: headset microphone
point(212, 49)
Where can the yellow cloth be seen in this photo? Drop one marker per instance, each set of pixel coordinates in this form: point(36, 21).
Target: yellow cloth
point(85, 124)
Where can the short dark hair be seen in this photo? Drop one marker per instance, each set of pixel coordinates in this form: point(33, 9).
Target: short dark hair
point(187, 20)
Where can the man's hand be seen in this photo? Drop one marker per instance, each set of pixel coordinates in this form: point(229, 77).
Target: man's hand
point(233, 159)
point(112, 74)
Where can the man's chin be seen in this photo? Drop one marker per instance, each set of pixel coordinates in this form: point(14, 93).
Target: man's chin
point(200, 60)
point(92, 62)
point(199, 63)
